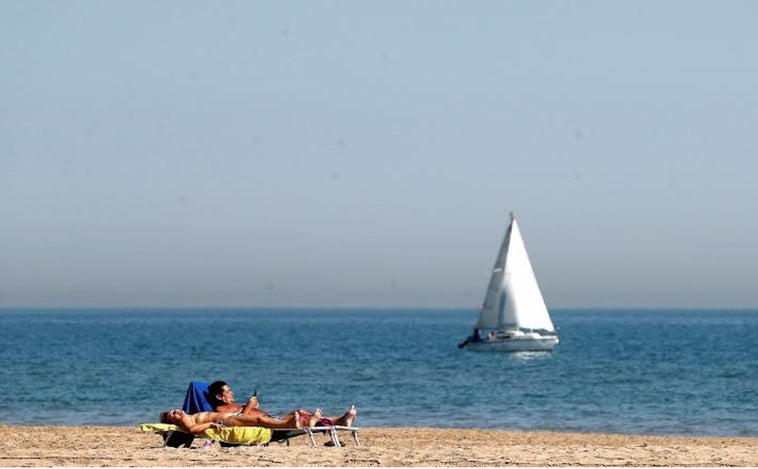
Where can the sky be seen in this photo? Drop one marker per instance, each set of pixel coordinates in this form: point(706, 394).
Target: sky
point(367, 153)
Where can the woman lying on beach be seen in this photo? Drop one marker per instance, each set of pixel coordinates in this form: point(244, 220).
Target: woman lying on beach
point(222, 399)
point(201, 421)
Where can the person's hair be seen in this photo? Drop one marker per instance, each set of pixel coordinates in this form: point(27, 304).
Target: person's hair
point(215, 389)
point(163, 417)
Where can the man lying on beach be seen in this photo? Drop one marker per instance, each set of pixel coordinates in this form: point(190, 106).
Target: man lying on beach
point(222, 400)
point(201, 421)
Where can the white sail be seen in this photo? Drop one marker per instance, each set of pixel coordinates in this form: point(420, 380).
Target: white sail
point(513, 299)
point(491, 311)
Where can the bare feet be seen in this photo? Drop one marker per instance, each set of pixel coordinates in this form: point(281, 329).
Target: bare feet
point(314, 418)
point(347, 419)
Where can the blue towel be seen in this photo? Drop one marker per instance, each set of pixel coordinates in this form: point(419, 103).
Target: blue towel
point(197, 398)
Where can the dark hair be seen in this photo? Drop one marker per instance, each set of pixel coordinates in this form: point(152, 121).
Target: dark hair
point(163, 417)
point(215, 389)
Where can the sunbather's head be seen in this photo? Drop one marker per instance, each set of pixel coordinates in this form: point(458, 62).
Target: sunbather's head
point(220, 393)
point(170, 416)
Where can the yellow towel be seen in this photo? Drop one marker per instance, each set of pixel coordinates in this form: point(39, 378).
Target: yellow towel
point(241, 435)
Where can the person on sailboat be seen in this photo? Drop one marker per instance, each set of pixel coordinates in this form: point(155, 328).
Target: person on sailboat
point(475, 337)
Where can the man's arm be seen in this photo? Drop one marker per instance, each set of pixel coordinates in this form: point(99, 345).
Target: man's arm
point(252, 403)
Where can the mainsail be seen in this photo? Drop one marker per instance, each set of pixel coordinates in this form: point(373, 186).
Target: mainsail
point(513, 299)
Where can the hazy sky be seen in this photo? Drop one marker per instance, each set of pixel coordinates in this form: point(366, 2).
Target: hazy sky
point(367, 153)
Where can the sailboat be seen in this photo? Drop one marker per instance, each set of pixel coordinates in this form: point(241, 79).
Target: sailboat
point(513, 312)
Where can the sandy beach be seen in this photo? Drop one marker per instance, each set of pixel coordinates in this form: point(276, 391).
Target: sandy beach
point(381, 447)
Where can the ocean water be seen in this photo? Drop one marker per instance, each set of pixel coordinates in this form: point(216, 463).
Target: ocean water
point(683, 372)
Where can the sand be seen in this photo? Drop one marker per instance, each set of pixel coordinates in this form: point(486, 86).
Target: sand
point(382, 447)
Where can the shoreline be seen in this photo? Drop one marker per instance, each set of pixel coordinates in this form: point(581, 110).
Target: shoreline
point(108, 446)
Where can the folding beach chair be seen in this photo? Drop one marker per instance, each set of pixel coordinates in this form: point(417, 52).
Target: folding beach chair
point(197, 400)
point(176, 436)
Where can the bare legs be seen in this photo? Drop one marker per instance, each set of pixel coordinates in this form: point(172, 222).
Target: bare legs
point(301, 413)
point(314, 418)
point(246, 420)
point(347, 419)
point(304, 417)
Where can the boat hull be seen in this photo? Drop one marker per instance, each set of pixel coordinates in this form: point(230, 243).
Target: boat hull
point(520, 344)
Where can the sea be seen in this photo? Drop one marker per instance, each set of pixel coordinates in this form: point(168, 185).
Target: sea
point(627, 371)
